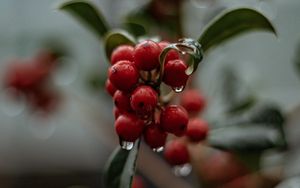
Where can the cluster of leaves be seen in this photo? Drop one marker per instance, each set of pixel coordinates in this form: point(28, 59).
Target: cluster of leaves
point(258, 129)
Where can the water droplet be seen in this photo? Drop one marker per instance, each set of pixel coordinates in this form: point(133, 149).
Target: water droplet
point(126, 145)
point(159, 149)
point(178, 89)
point(183, 52)
point(182, 170)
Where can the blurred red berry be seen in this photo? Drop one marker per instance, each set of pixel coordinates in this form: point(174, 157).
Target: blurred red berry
point(137, 182)
point(193, 101)
point(197, 130)
point(110, 88)
point(176, 153)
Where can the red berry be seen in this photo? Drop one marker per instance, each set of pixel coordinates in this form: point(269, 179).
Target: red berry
point(172, 54)
point(122, 101)
point(137, 182)
point(110, 88)
point(174, 73)
point(129, 127)
point(116, 112)
point(176, 153)
point(123, 52)
point(192, 101)
point(174, 119)
point(143, 100)
point(123, 75)
point(197, 129)
point(146, 55)
point(154, 136)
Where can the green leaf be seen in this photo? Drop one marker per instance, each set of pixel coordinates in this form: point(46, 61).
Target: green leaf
point(120, 168)
point(116, 38)
point(256, 130)
point(232, 23)
point(88, 14)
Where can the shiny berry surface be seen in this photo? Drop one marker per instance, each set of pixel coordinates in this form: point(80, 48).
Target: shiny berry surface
point(123, 52)
point(154, 136)
point(122, 101)
point(172, 54)
point(174, 119)
point(174, 73)
point(110, 88)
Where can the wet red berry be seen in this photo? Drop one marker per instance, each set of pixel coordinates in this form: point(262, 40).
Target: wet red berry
point(110, 88)
point(174, 119)
point(123, 75)
point(174, 73)
point(143, 100)
point(176, 153)
point(129, 127)
point(172, 54)
point(154, 136)
point(122, 101)
point(146, 55)
point(197, 129)
point(123, 52)
point(193, 101)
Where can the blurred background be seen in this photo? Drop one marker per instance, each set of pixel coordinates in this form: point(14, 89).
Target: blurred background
point(67, 145)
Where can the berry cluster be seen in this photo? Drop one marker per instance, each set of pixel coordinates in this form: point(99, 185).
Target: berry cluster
point(28, 78)
point(134, 81)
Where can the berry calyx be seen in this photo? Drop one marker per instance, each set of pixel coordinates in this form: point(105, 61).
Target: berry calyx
point(129, 127)
point(197, 130)
point(176, 153)
point(123, 75)
point(123, 52)
point(143, 100)
point(193, 101)
point(154, 136)
point(122, 101)
point(110, 88)
point(146, 55)
point(174, 119)
point(174, 73)
point(172, 54)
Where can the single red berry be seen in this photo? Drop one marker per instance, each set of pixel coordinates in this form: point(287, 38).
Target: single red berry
point(176, 153)
point(174, 73)
point(197, 129)
point(110, 88)
point(146, 55)
point(129, 127)
point(193, 101)
point(143, 100)
point(174, 119)
point(172, 54)
point(154, 136)
point(123, 52)
point(122, 101)
point(137, 182)
point(123, 75)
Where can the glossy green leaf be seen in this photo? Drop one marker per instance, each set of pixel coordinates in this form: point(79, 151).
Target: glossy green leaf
point(87, 14)
point(120, 168)
point(116, 38)
point(246, 138)
point(232, 23)
point(259, 129)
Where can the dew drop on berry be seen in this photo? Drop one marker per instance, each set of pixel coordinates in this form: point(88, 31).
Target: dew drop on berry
point(178, 89)
point(159, 149)
point(182, 170)
point(126, 145)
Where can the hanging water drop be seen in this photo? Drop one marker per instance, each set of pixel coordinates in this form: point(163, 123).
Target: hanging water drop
point(126, 145)
point(159, 149)
point(182, 170)
point(178, 89)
